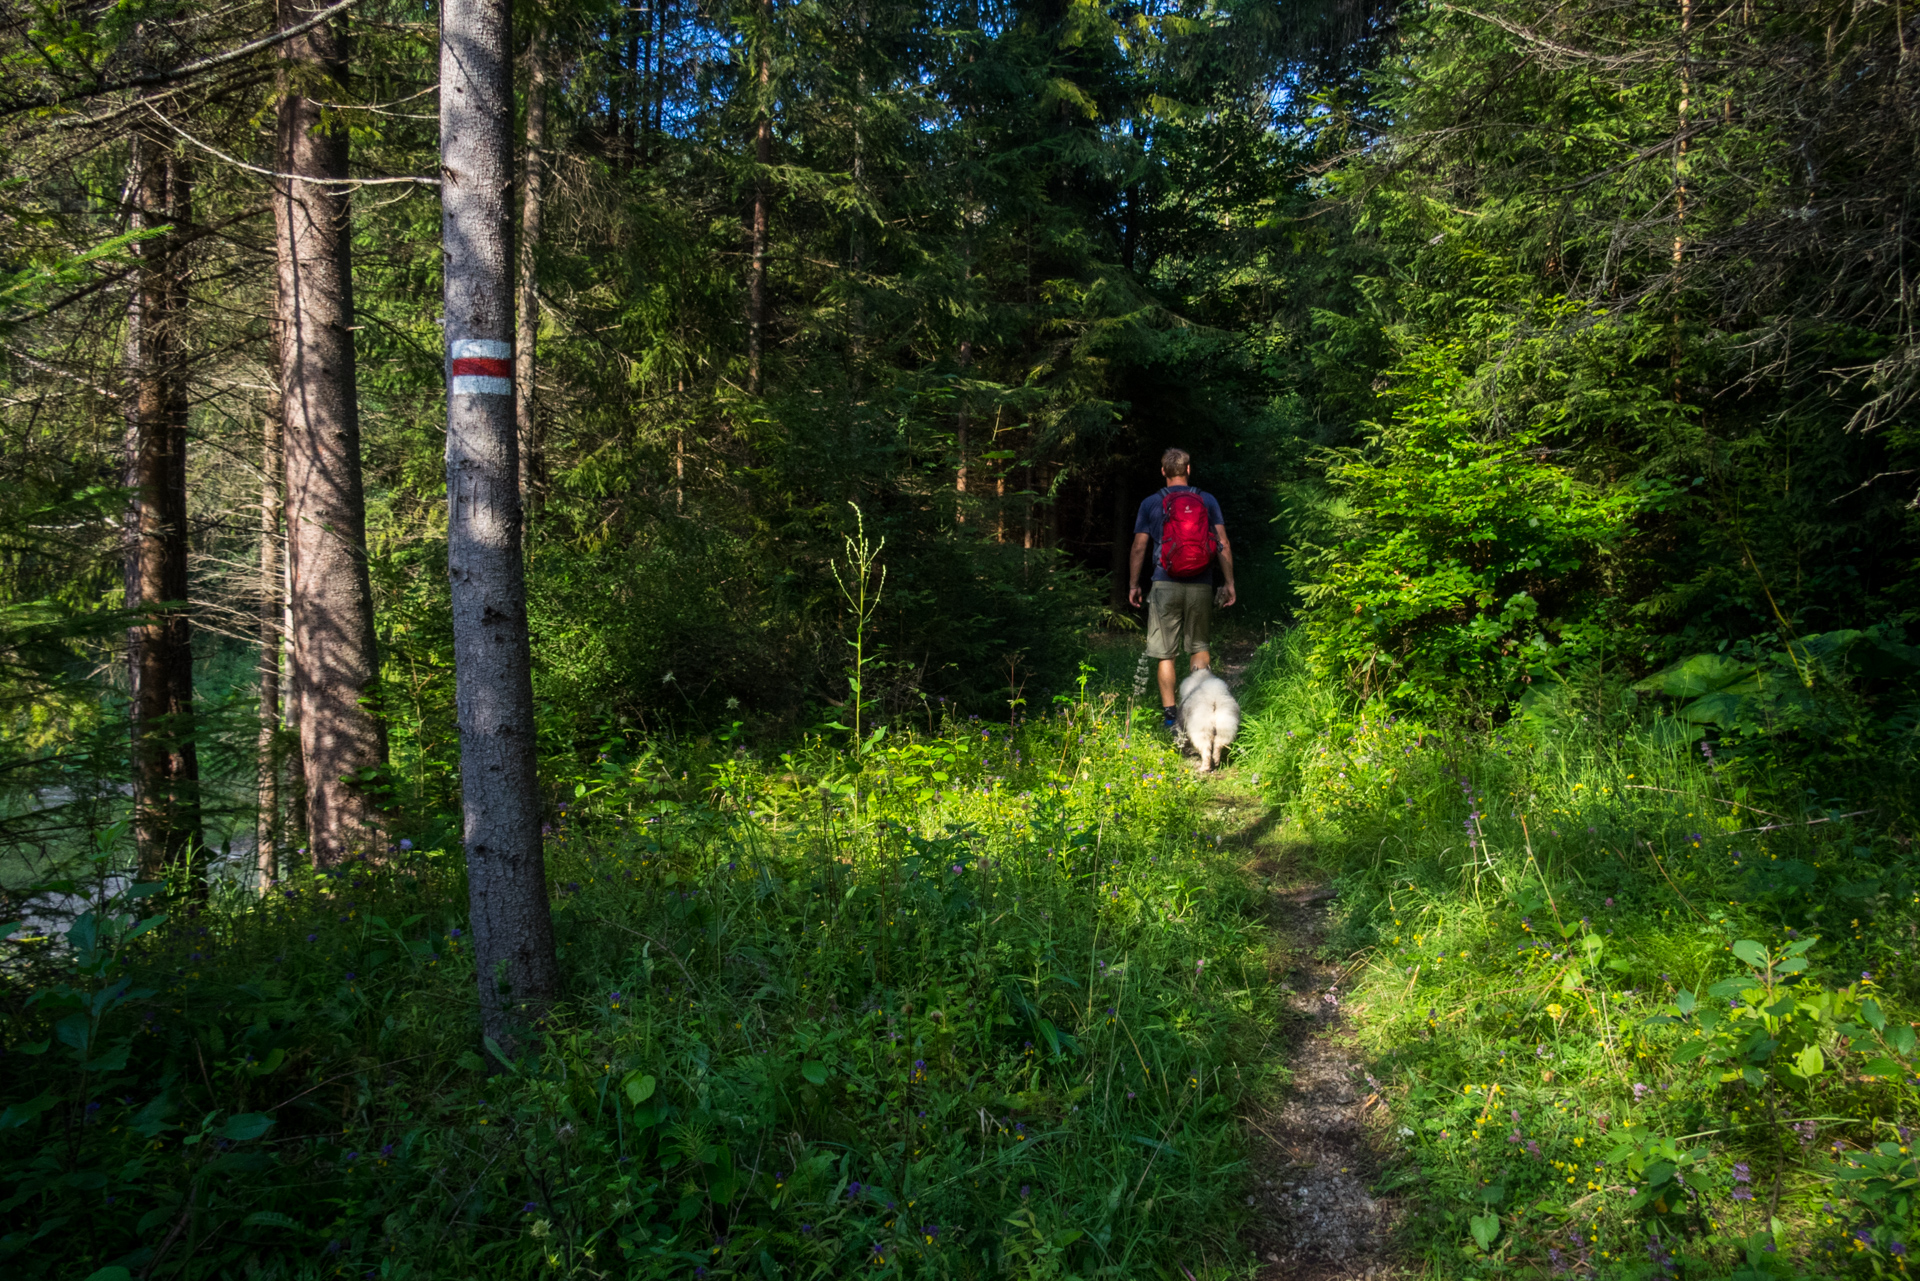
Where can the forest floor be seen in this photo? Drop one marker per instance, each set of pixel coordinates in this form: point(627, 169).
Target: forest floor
point(1317, 1148)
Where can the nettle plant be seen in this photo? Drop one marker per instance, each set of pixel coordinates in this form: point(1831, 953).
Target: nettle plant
point(1807, 1054)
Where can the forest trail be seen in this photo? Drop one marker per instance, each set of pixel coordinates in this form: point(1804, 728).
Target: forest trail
point(1316, 1147)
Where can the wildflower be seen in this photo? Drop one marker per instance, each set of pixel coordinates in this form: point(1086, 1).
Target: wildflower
point(405, 844)
point(312, 937)
point(1609, 902)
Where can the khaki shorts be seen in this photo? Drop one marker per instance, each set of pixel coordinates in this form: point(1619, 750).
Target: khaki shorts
point(1177, 613)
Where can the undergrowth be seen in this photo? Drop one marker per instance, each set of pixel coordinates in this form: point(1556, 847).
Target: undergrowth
point(1635, 1010)
point(973, 1003)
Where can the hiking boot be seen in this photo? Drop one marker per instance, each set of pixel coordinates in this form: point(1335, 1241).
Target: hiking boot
point(1167, 717)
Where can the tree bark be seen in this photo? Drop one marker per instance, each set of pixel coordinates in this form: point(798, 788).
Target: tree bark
point(960, 440)
point(513, 930)
point(762, 196)
point(160, 646)
point(267, 820)
point(527, 315)
point(335, 662)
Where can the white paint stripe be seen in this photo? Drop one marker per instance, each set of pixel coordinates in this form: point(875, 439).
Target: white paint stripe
point(482, 347)
point(474, 385)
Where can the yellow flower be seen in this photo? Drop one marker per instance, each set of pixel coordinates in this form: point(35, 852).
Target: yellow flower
point(1556, 1012)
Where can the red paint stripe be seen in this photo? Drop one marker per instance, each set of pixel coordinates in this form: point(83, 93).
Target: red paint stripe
point(485, 366)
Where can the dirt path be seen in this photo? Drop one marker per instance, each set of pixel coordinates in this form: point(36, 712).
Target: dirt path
point(1316, 1150)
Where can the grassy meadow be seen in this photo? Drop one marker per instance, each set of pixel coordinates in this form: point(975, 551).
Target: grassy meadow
point(1631, 1016)
point(988, 999)
point(975, 1002)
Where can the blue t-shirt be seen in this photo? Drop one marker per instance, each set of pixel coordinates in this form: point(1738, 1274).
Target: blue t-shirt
point(1153, 514)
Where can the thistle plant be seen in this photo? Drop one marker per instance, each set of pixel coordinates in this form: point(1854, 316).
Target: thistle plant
point(861, 585)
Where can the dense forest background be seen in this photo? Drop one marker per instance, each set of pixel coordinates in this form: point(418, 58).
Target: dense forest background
point(1516, 342)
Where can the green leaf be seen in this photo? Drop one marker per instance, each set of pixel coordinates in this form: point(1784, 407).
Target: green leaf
point(268, 1219)
point(815, 1071)
point(1692, 677)
point(639, 1088)
point(19, 1114)
point(1809, 1062)
point(247, 1125)
point(1750, 952)
point(112, 1273)
point(471, 1062)
point(1486, 1227)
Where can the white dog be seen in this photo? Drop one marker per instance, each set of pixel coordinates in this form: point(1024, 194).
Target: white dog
point(1208, 717)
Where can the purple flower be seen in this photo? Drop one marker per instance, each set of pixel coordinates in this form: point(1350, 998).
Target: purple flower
point(312, 937)
point(1024, 1189)
point(1640, 1092)
point(853, 1191)
point(454, 932)
point(1743, 1194)
point(529, 1207)
point(405, 844)
point(1742, 1173)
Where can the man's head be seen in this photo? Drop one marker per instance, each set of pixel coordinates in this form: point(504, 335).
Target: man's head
point(1175, 462)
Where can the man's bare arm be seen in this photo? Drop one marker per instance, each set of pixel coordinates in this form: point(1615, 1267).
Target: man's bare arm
point(1134, 562)
point(1227, 594)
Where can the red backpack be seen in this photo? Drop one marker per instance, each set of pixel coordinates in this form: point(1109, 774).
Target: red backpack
point(1187, 544)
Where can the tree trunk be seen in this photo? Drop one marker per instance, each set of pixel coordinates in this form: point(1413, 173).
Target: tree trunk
point(960, 440)
point(335, 664)
point(527, 316)
point(267, 820)
point(160, 646)
point(513, 930)
point(762, 195)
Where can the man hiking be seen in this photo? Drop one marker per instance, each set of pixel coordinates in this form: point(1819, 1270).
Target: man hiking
point(1187, 534)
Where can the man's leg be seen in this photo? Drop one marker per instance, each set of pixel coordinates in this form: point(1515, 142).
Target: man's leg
point(1167, 684)
point(1198, 661)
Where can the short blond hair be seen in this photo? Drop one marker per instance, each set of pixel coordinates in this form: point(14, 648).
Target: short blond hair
point(1175, 462)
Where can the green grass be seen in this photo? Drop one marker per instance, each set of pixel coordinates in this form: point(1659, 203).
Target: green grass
point(1539, 915)
point(982, 1002)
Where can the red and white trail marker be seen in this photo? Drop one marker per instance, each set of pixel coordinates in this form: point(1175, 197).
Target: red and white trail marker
point(479, 367)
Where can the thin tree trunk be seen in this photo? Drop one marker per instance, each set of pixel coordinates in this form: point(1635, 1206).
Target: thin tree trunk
point(1680, 146)
point(762, 196)
point(512, 927)
point(267, 820)
point(960, 439)
point(527, 316)
point(159, 646)
point(646, 86)
point(335, 666)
